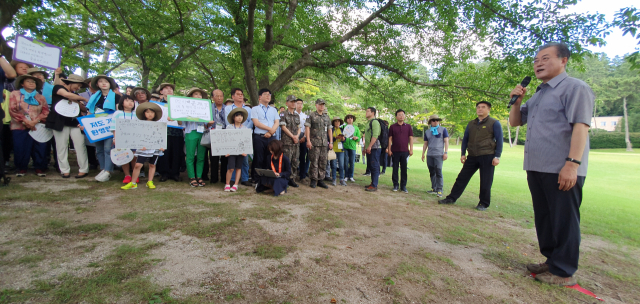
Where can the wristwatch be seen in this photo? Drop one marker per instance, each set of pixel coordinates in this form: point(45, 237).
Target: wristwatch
point(573, 160)
point(497, 157)
point(445, 152)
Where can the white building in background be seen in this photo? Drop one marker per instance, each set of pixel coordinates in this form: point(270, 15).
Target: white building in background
point(608, 123)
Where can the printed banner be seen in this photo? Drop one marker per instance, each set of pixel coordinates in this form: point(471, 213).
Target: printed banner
point(37, 52)
point(97, 127)
point(189, 109)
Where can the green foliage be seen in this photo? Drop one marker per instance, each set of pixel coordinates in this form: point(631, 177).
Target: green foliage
point(612, 140)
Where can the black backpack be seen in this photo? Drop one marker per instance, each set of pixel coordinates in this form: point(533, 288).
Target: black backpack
point(384, 133)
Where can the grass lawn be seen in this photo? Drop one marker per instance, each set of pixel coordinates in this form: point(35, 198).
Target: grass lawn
point(611, 199)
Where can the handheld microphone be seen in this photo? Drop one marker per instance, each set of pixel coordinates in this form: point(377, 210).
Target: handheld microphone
point(524, 84)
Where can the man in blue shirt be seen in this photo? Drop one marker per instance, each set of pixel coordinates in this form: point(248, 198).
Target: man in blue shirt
point(238, 102)
point(6, 72)
point(266, 121)
point(483, 140)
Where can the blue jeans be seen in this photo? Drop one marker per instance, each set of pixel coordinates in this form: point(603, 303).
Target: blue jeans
point(338, 162)
point(374, 166)
point(349, 162)
point(25, 148)
point(103, 153)
point(244, 172)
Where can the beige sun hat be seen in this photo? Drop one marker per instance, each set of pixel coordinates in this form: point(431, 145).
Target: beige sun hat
point(337, 118)
point(32, 71)
point(194, 89)
point(148, 105)
point(73, 78)
point(434, 117)
point(233, 113)
point(22, 78)
point(162, 85)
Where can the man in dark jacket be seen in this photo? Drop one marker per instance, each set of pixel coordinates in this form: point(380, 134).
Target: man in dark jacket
point(483, 140)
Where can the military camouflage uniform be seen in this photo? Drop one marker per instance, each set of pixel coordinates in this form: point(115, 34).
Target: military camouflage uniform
point(291, 149)
point(318, 124)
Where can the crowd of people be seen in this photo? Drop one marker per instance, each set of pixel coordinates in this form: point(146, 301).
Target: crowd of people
point(312, 148)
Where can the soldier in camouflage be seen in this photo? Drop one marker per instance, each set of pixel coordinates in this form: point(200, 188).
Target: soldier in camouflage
point(318, 130)
point(290, 125)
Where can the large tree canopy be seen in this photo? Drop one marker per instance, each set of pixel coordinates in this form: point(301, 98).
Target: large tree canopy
point(391, 47)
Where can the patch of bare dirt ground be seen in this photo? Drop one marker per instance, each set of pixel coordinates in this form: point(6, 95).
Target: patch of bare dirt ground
point(82, 241)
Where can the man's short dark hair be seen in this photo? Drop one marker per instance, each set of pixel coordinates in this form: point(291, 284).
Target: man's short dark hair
point(485, 102)
point(400, 110)
point(561, 49)
point(299, 99)
point(130, 87)
point(262, 91)
point(372, 109)
point(281, 107)
point(233, 91)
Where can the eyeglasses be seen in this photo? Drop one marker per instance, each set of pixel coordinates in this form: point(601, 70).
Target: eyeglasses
point(543, 60)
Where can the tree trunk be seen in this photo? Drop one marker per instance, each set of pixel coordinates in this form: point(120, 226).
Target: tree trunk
point(626, 125)
point(246, 53)
point(145, 76)
point(509, 130)
point(85, 72)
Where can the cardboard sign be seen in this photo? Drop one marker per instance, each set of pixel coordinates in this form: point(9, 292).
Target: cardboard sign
point(68, 109)
point(41, 134)
point(37, 52)
point(189, 109)
point(121, 156)
point(231, 141)
point(97, 127)
point(138, 134)
point(165, 115)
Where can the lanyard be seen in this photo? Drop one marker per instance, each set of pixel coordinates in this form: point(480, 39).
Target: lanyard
point(279, 165)
point(125, 114)
point(265, 112)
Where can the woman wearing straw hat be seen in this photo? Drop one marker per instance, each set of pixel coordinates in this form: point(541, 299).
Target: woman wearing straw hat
point(27, 108)
point(192, 135)
point(338, 145)
point(349, 147)
point(105, 99)
point(65, 127)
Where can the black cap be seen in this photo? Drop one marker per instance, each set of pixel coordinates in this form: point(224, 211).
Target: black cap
point(485, 102)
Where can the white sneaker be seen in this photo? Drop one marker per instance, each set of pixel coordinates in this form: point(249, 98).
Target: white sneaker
point(99, 175)
point(104, 177)
point(352, 180)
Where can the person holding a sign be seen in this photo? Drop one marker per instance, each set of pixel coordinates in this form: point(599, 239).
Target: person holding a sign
point(104, 100)
point(236, 119)
point(126, 110)
point(64, 127)
point(352, 135)
point(192, 136)
point(148, 112)
point(266, 121)
point(318, 130)
point(27, 109)
point(281, 167)
point(290, 125)
point(169, 165)
point(238, 102)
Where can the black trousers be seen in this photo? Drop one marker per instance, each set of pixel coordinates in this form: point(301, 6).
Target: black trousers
point(557, 218)
point(471, 165)
point(303, 167)
point(399, 158)
point(1, 146)
point(91, 155)
point(218, 168)
point(260, 154)
point(7, 140)
point(169, 164)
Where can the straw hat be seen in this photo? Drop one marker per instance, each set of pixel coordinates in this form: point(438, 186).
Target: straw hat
point(94, 82)
point(14, 63)
point(32, 71)
point(162, 85)
point(338, 119)
point(154, 95)
point(434, 117)
point(194, 89)
point(17, 83)
point(133, 93)
point(73, 78)
point(228, 100)
point(350, 115)
point(148, 105)
point(233, 112)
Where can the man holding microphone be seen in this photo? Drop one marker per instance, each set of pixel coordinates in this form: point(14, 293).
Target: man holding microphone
point(556, 153)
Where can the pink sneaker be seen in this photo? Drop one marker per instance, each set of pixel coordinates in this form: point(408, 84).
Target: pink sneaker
point(227, 188)
point(127, 179)
point(234, 188)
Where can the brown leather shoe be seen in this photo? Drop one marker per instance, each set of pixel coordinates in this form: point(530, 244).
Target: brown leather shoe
point(538, 268)
point(552, 279)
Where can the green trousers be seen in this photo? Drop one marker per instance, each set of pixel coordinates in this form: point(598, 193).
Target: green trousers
point(192, 143)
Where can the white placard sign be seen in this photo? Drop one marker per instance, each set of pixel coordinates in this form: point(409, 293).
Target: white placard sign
point(41, 134)
point(189, 109)
point(165, 116)
point(348, 131)
point(138, 134)
point(231, 141)
point(121, 156)
point(68, 109)
point(37, 52)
